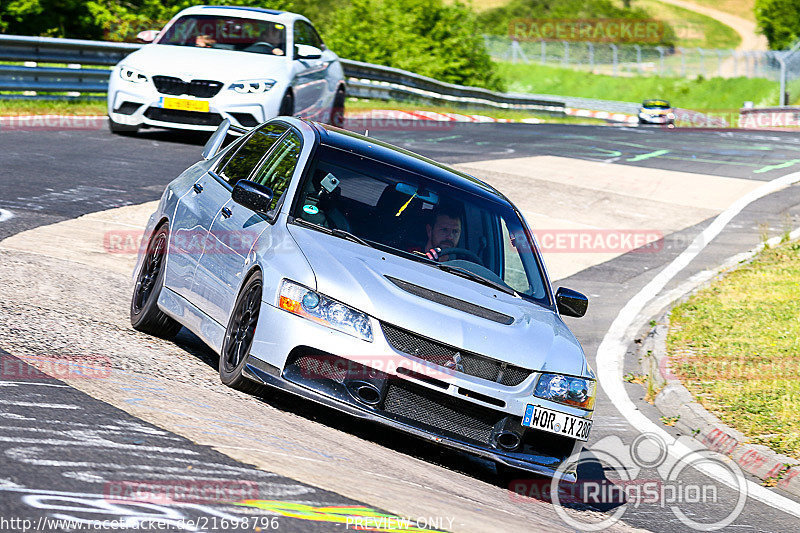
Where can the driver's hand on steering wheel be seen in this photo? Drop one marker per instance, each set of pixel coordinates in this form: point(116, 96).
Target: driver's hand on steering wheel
point(433, 254)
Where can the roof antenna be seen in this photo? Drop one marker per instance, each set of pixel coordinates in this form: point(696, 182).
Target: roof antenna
point(366, 133)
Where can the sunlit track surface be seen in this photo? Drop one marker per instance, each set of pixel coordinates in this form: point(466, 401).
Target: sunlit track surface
point(122, 171)
point(70, 460)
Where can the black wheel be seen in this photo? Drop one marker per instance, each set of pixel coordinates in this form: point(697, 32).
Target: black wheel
point(121, 129)
point(145, 314)
point(287, 105)
point(239, 337)
point(337, 111)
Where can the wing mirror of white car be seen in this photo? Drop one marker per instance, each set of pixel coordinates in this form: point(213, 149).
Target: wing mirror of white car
point(217, 138)
point(571, 303)
point(147, 36)
point(306, 51)
point(252, 195)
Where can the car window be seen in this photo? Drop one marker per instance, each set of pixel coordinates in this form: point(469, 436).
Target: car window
point(242, 162)
point(277, 169)
point(304, 33)
point(227, 33)
point(407, 214)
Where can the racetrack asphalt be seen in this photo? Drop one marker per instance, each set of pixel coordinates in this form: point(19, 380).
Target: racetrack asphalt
point(46, 177)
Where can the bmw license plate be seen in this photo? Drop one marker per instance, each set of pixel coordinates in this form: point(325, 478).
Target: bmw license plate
point(538, 417)
point(185, 105)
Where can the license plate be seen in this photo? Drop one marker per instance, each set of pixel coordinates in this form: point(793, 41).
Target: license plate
point(184, 104)
point(556, 422)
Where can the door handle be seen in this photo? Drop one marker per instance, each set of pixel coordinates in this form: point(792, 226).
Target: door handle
point(226, 213)
point(197, 188)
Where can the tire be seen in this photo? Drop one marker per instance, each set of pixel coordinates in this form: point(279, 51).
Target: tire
point(145, 314)
point(287, 105)
point(121, 129)
point(337, 111)
point(239, 337)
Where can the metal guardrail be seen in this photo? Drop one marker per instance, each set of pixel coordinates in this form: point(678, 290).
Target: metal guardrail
point(364, 80)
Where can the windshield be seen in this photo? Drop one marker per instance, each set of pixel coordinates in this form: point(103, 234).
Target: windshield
point(407, 214)
point(655, 104)
point(227, 33)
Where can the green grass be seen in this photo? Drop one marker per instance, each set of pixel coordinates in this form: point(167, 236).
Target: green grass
point(692, 29)
point(52, 107)
point(736, 347)
point(700, 94)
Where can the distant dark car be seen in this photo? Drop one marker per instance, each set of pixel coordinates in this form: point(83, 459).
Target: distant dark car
point(657, 112)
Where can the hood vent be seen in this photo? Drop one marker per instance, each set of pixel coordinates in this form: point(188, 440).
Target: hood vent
point(455, 303)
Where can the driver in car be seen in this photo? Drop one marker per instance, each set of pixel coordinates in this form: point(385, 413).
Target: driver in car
point(444, 233)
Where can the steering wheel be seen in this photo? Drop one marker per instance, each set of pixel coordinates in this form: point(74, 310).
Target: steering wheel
point(462, 251)
point(262, 43)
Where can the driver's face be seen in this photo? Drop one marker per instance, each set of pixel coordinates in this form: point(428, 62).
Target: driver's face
point(445, 232)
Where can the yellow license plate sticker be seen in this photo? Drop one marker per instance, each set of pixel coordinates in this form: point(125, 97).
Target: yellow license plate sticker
point(184, 104)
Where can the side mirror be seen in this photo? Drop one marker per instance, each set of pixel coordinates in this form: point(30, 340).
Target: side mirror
point(217, 138)
point(147, 36)
point(306, 51)
point(571, 303)
point(252, 195)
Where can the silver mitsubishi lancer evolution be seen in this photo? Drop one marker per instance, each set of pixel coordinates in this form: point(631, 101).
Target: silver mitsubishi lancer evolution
point(375, 281)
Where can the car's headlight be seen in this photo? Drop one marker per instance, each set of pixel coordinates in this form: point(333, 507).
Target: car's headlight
point(568, 390)
point(314, 306)
point(132, 75)
point(670, 116)
point(252, 86)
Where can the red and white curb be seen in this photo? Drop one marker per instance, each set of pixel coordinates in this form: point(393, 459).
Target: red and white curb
point(603, 115)
point(402, 116)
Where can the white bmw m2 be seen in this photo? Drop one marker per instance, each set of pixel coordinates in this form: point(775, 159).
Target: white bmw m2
point(212, 63)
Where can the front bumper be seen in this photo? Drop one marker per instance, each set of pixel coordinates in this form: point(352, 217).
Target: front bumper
point(655, 119)
point(142, 105)
point(457, 413)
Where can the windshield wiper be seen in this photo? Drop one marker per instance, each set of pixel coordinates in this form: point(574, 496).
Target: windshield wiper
point(336, 232)
point(463, 272)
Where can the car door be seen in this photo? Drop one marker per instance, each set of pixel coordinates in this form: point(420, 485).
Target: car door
point(236, 228)
point(194, 213)
point(310, 74)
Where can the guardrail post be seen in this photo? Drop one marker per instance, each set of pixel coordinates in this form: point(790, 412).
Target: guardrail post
point(660, 60)
point(544, 51)
point(565, 59)
point(591, 57)
point(719, 63)
point(615, 57)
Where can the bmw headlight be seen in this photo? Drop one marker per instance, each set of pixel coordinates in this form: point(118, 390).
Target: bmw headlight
point(670, 115)
point(318, 308)
point(251, 86)
point(132, 75)
point(579, 392)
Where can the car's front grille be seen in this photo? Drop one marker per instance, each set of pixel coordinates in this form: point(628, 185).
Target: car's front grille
point(195, 118)
point(176, 86)
point(440, 412)
point(453, 358)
